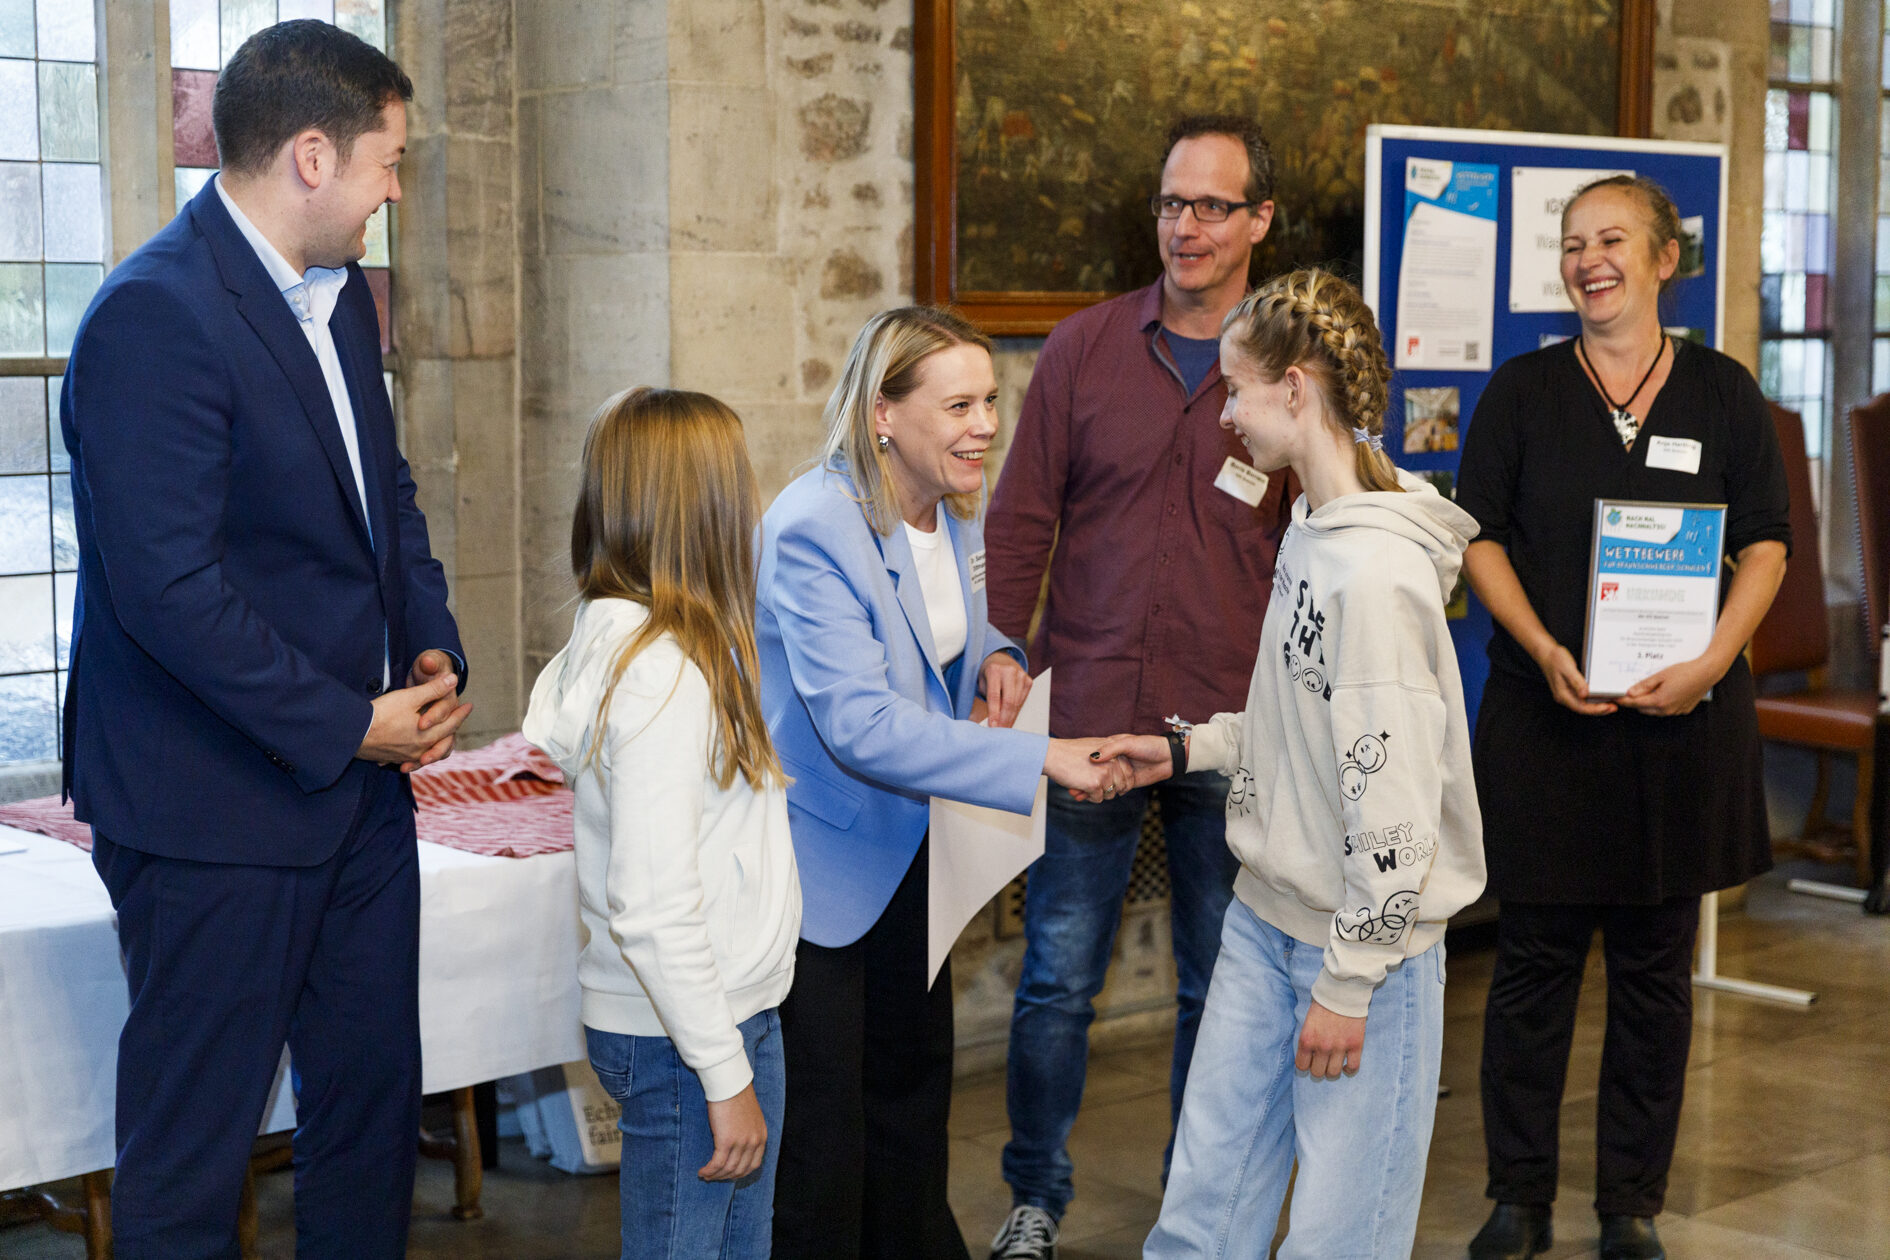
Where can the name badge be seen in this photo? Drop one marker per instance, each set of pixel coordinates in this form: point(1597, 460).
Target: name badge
point(1677, 454)
point(976, 565)
point(1244, 481)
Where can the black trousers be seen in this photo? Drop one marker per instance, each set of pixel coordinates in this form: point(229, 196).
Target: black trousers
point(869, 1090)
point(1529, 1023)
point(225, 964)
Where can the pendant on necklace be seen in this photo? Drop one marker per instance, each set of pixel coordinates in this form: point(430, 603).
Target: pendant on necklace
point(1625, 425)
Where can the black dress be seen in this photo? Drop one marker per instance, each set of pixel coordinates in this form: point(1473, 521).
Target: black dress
point(1625, 809)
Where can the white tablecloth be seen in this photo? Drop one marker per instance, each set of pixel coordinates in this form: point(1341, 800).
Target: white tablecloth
point(498, 991)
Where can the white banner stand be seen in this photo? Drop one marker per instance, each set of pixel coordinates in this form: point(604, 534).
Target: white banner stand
point(1706, 975)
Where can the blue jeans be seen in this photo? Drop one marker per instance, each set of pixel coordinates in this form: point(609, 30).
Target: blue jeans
point(1361, 1141)
point(669, 1213)
point(1072, 909)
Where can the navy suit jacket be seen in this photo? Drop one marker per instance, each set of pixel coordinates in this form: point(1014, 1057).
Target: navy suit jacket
point(232, 613)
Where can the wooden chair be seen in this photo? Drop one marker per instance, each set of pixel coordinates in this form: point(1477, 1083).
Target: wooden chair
point(1795, 638)
point(1870, 472)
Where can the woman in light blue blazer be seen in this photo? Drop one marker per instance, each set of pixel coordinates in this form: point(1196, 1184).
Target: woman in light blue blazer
point(876, 649)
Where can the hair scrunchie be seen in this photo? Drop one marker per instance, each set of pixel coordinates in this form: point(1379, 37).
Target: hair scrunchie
point(1359, 435)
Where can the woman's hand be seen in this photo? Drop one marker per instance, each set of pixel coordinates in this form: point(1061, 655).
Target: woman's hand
point(1147, 756)
point(1567, 685)
point(1676, 689)
point(741, 1135)
point(1330, 1044)
point(1070, 763)
point(1003, 684)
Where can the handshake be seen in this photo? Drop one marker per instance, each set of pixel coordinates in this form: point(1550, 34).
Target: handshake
point(1092, 769)
point(1100, 769)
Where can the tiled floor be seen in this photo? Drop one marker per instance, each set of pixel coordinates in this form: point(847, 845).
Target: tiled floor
point(1784, 1149)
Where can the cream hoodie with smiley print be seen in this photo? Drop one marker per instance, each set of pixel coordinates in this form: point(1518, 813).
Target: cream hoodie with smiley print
point(1353, 809)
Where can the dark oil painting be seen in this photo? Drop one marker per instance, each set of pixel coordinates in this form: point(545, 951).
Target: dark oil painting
point(1061, 107)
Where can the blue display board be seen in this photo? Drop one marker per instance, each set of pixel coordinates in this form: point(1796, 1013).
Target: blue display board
point(1693, 174)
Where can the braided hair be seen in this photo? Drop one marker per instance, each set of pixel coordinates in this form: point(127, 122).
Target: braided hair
point(1314, 321)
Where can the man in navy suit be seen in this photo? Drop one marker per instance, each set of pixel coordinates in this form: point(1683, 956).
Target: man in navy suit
point(254, 578)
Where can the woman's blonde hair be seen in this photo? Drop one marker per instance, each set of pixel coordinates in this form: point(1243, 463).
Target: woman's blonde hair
point(1314, 321)
point(666, 517)
point(885, 362)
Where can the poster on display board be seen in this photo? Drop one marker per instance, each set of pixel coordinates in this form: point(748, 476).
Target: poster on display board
point(1434, 406)
point(1447, 276)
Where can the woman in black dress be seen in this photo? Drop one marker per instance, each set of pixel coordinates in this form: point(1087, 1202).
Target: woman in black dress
point(1611, 814)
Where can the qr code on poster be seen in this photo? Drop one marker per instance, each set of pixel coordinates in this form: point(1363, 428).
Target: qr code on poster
point(1471, 351)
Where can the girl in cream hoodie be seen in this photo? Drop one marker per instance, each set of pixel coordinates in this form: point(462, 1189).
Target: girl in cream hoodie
point(1352, 810)
point(688, 897)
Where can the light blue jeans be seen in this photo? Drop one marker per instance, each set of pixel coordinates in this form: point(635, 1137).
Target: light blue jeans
point(669, 1213)
point(1361, 1141)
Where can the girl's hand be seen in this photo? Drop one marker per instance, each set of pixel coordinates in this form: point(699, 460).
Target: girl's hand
point(1003, 684)
point(1330, 1044)
point(741, 1135)
point(1675, 689)
point(1568, 686)
point(1147, 756)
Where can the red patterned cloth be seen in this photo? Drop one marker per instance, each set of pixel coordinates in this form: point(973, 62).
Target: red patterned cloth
point(504, 800)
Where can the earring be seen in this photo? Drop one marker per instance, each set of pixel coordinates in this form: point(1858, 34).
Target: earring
point(884, 441)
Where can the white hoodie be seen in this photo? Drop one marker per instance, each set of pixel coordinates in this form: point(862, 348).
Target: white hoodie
point(1353, 808)
point(687, 893)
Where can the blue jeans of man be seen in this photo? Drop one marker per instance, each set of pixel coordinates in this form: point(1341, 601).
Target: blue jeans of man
point(1361, 1141)
point(669, 1213)
point(1072, 908)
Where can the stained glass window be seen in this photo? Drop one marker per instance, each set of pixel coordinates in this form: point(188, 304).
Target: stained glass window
point(1796, 243)
point(204, 35)
point(52, 258)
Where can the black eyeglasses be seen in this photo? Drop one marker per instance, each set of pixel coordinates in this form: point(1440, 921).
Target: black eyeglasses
point(1206, 209)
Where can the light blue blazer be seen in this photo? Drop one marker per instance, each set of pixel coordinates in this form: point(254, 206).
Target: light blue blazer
point(863, 716)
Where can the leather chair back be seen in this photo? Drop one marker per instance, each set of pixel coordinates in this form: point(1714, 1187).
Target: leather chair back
point(1870, 471)
point(1795, 635)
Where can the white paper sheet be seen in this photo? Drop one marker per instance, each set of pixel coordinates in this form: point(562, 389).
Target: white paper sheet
point(1447, 274)
point(975, 851)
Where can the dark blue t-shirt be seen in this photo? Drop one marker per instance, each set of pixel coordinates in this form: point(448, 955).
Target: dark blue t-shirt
point(1194, 356)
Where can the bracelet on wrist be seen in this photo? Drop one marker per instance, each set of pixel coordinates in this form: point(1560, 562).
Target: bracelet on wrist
point(1177, 752)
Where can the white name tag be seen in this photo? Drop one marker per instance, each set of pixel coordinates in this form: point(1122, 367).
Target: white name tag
point(976, 565)
point(1242, 480)
point(1678, 454)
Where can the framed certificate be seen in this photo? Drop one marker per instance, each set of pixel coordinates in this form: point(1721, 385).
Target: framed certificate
point(1653, 589)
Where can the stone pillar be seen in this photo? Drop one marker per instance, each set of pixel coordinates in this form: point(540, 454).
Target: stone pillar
point(455, 321)
point(593, 244)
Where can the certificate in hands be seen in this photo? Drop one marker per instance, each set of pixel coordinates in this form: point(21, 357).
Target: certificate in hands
point(1653, 589)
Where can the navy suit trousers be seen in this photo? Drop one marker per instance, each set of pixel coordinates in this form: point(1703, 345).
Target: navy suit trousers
point(228, 963)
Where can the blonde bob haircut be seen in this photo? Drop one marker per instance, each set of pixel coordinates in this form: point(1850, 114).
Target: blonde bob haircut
point(886, 361)
point(666, 515)
point(1314, 321)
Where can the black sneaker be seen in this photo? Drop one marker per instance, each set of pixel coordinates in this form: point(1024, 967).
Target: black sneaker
point(1029, 1233)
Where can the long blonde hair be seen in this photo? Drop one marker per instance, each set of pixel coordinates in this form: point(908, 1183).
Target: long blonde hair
point(666, 517)
point(1314, 321)
point(884, 363)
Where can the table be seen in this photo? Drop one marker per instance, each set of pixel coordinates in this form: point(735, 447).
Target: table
point(498, 991)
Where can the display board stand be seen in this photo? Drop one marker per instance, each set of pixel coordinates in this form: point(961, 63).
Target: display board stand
point(1480, 211)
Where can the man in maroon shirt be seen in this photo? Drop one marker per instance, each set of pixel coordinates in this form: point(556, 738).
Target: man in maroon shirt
point(1159, 538)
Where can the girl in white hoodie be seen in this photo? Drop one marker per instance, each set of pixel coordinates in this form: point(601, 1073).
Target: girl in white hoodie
point(688, 897)
point(1352, 811)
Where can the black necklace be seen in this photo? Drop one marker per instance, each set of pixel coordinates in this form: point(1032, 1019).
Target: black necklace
point(1624, 422)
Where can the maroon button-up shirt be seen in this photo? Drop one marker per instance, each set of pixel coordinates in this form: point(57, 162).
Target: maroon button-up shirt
point(1159, 581)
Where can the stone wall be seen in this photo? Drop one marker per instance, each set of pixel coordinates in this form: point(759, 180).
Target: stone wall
point(456, 326)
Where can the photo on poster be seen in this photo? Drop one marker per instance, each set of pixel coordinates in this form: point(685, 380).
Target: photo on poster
point(1457, 607)
point(1692, 248)
point(1442, 478)
point(1430, 419)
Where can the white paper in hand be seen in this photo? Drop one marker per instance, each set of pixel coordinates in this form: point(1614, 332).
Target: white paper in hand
point(974, 851)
